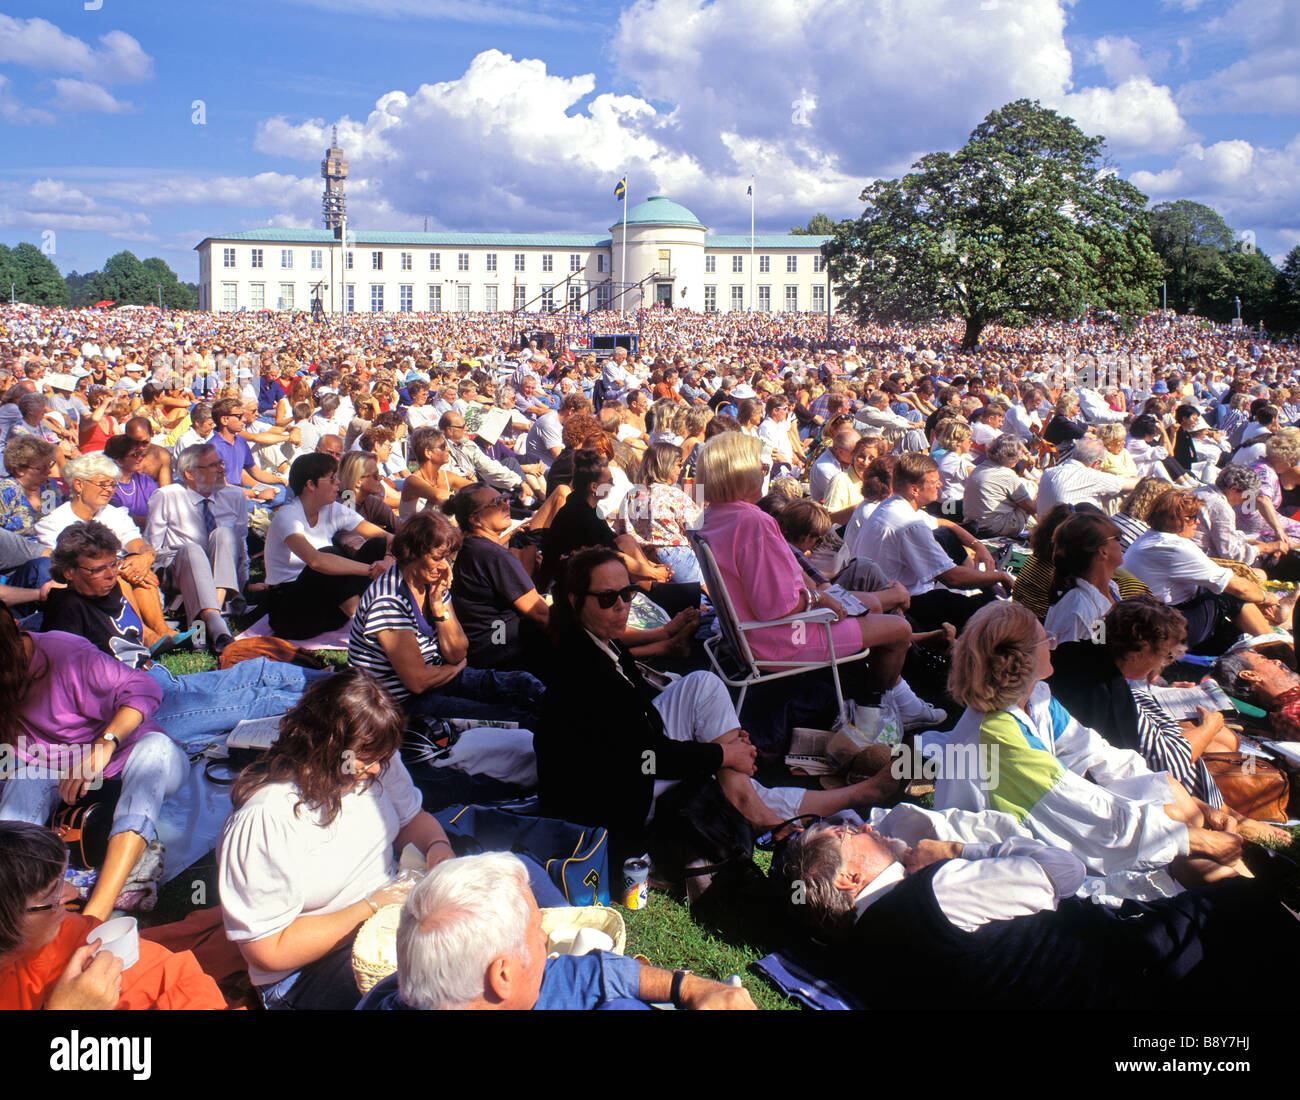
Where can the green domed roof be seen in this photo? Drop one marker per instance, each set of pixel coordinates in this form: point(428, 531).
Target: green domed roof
point(658, 210)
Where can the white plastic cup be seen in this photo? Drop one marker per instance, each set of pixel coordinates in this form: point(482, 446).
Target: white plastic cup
point(119, 937)
point(590, 939)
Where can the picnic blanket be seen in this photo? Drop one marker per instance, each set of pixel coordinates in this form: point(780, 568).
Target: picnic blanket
point(333, 639)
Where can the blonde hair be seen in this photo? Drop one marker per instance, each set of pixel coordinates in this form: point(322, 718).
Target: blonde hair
point(994, 663)
point(1284, 444)
point(730, 467)
point(953, 434)
point(1111, 433)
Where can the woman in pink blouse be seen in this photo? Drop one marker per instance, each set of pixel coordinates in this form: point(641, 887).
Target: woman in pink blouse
point(765, 582)
point(74, 716)
point(657, 513)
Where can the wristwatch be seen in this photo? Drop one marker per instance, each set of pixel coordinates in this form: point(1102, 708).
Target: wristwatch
point(112, 738)
point(675, 993)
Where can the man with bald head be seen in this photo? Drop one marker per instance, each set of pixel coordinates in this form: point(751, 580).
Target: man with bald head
point(835, 459)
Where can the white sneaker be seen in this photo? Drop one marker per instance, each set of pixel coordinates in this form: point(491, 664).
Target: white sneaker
point(912, 710)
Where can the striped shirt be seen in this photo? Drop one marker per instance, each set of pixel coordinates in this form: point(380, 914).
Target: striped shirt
point(1165, 748)
point(388, 604)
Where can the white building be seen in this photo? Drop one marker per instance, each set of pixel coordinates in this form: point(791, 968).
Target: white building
point(671, 258)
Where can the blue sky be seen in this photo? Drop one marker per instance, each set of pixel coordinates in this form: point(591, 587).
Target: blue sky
point(521, 114)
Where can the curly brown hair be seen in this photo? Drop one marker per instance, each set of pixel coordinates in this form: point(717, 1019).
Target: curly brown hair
point(338, 726)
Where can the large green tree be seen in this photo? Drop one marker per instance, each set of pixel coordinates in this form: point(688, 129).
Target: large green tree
point(1192, 240)
point(1025, 221)
point(818, 226)
point(30, 275)
point(128, 281)
point(1285, 314)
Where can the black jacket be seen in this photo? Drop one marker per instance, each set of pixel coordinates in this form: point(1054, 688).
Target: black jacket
point(601, 745)
point(1087, 682)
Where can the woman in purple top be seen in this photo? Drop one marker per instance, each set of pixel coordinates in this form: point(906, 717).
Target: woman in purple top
point(72, 716)
point(133, 487)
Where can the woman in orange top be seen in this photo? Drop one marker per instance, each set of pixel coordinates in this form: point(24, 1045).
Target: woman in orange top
point(45, 961)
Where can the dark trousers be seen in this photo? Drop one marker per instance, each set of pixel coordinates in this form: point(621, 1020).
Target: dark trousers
point(309, 604)
point(931, 610)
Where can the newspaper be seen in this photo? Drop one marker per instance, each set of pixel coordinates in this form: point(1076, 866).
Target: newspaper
point(1182, 702)
point(493, 423)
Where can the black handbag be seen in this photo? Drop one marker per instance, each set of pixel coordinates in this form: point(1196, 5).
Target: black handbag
point(85, 825)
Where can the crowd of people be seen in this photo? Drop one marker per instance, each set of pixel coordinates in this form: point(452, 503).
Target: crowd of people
point(595, 553)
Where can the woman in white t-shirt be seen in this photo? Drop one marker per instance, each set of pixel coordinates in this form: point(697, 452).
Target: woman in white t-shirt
point(314, 586)
point(1086, 551)
point(310, 850)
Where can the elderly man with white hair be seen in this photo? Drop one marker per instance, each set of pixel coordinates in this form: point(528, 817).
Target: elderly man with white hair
point(1079, 479)
point(201, 524)
point(471, 937)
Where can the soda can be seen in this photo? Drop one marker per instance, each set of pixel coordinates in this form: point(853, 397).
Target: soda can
point(636, 873)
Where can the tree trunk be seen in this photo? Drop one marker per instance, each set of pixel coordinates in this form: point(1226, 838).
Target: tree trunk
point(974, 327)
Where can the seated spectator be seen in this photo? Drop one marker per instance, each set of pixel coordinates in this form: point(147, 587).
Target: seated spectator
point(45, 961)
point(1217, 603)
point(951, 923)
point(954, 467)
point(72, 712)
point(877, 487)
point(1066, 425)
point(1106, 687)
point(833, 460)
point(593, 770)
point(1079, 480)
point(201, 524)
point(406, 634)
point(657, 514)
point(361, 488)
point(1085, 555)
point(1131, 519)
point(471, 937)
point(900, 538)
point(1117, 460)
point(27, 493)
point(1061, 780)
point(310, 850)
point(545, 438)
point(1279, 475)
point(314, 587)
point(996, 501)
point(844, 493)
point(1217, 531)
point(1148, 444)
point(1256, 676)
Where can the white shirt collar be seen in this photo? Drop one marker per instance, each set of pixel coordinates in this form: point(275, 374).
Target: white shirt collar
point(875, 889)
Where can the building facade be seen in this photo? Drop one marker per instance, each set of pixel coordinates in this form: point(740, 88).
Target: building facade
point(671, 259)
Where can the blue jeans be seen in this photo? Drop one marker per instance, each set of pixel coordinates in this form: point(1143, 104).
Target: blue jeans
point(686, 567)
point(201, 706)
point(482, 693)
point(153, 773)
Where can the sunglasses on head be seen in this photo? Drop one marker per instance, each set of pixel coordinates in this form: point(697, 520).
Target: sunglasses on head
point(607, 599)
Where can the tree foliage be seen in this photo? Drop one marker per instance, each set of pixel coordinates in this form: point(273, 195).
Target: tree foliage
point(1025, 221)
point(126, 280)
point(819, 226)
point(30, 275)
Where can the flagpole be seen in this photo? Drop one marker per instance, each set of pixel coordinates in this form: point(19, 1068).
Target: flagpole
point(622, 298)
point(751, 244)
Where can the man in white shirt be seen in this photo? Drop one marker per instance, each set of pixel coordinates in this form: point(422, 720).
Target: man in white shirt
point(617, 379)
point(201, 523)
point(1079, 479)
point(777, 432)
point(837, 458)
point(876, 414)
point(1095, 409)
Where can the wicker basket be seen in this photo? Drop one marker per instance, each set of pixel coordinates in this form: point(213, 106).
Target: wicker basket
point(562, 923)
point(374, 951)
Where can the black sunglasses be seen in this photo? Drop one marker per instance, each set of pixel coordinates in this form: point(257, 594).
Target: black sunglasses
point(607, 599)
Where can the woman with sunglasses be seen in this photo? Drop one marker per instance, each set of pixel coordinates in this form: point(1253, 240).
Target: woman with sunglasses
point(45, 961)
point(310, 851)
point(1023, 754)
point(1086, 552)
point(607, 747)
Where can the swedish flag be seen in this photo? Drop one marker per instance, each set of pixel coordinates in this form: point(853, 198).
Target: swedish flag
point(620, 188)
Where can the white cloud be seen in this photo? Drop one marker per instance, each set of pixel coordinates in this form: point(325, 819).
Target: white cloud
point(39, 44)
point(1266, 79)
point(52, 204)
point(13, 111)
point(1181, 5)
point(74, 96)
point(1121, 58)
point(1138, 117)
point(537, 13)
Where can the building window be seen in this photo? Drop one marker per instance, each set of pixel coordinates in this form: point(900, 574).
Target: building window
point(407, 259)
point(406, 296)
point(792, 299)
point(710, 264)
point(490, 260)
point(317, 259)
point(435, 261)
point(547, 261)
point(737, 297)
point(519, 261)
point(376, 261)
point(286, 259)
point(819, 299)
point(435, 299)
point(462, 261)
point(348, 265)
point(350, 298)
point(285, 301)
point(665, 262)
point(764, 264)
point(603, 294)
point(765, 299)
point(490, 299)
point(819, 263)
point(521, 296)
point(227, 257)
point(462, 294)
point(548, 299)
point(376, 297)
point(710, 299)
point(737, 264)
point(575, 296)
point(256, 295)
point(575, 261)
point(228, 296)
point(600, 262)
point(256, 257)
point(791, 264)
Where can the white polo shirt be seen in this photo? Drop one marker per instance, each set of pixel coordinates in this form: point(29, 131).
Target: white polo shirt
point(1174, 568)
point(901, 542)
point(1071, 482)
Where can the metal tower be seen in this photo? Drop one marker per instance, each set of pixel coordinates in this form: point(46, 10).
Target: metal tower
point(334, 170)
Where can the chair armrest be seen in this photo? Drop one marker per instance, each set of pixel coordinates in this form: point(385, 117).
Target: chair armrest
point(816, 615)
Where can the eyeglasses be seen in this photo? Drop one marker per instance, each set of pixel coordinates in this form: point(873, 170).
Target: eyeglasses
point(1049, 640)
point(607, 599)
point(108, 567)
point(56, 893)
point(104, 484)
